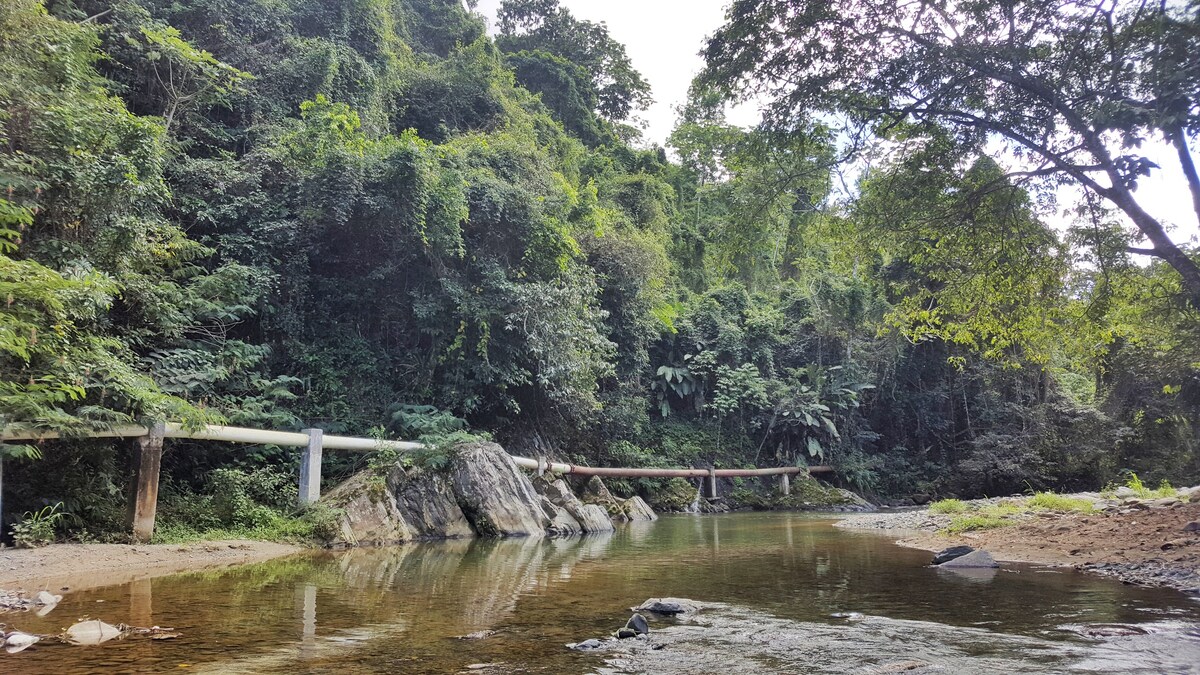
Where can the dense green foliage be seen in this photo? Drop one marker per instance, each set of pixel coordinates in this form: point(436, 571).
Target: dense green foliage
point(368, 213)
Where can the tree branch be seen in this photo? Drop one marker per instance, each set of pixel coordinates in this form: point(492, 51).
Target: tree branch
point(1179, 140)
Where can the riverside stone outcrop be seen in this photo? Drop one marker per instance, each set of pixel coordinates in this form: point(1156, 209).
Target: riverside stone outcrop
point(407, 505)
point(481, 493)
point(590, 517)
point(495, 495)
point(636, 508)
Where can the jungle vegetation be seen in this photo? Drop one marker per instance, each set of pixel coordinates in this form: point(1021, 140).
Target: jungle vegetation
point(370, 216)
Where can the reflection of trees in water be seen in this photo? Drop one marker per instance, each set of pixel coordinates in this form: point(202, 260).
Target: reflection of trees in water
point(472, 584)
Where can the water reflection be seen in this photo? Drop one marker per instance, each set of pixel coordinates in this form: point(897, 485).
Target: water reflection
point(399, 609)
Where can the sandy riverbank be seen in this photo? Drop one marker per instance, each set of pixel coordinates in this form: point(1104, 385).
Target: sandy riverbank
point(1142, 542)
point(79, 566)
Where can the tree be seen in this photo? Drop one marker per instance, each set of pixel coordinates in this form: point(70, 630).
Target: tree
point(1071, 88)
point(528, 25)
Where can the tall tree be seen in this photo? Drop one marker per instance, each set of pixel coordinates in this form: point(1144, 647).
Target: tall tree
point(1073, 88)
point(529, 25)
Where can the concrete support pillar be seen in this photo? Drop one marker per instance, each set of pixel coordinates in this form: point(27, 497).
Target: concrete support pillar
point(143, 484)
point(710, 484)
point(785, 484)
point(310, 468)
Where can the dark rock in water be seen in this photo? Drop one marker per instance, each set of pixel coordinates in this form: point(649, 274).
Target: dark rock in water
point(626, 633)
point(637, 623)
point(586, 645)
point(974, 559)
point(948, 554)
point(666, 606)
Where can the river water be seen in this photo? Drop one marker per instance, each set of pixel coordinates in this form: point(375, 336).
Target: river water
point(398, 610)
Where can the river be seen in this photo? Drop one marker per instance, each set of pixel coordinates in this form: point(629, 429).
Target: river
point(398, 610)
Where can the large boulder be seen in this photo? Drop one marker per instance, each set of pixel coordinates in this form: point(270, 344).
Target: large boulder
point(590, 517)
point(636, 508)
point(494, 494)
point(596, 492)
point(408, 504)
point(562, 523)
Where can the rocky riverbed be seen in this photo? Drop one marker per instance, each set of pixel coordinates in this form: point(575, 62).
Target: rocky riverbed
point(743, 640)
point(1145, 541)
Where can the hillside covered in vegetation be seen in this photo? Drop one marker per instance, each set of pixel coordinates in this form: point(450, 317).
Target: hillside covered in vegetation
point(372, 217)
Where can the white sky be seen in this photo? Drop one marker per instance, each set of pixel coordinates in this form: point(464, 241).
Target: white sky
point(664, 38)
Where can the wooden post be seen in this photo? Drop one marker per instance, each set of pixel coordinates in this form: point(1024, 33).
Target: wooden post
point(143, 492)
point(310, 469)
point(785, 484)
point(711, 484)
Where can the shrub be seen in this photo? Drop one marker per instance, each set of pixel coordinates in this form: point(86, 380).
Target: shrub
point(37, 528)
point(1049, 501)
point(976, 521)
point(948, 506)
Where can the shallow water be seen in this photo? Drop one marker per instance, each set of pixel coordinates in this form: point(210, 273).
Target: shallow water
point(398, 609)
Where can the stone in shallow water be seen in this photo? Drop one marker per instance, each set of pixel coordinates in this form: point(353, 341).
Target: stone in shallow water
point(668, 606)
point(586, 645)
point(626, 633)
point(974, 559)
point(948, 554)
point(638, 624)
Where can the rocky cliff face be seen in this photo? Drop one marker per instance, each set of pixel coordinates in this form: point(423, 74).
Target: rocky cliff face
point(482, 493)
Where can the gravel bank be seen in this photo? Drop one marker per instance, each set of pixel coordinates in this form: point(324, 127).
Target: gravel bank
point(1149, 542)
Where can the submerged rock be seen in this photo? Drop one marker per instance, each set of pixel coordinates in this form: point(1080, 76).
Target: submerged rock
point(586, 645)
point(948, 554)
point(667, 606)
point(974, 559)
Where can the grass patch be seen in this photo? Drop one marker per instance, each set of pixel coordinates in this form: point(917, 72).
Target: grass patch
point(948, 506)
point(975, 521)
point(1140, 489)
point(317, 524)
point(1001, 510)
point(1049, 501)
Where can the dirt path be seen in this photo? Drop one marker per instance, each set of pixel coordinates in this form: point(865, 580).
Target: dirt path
point(80, 566)
point(1148, 546)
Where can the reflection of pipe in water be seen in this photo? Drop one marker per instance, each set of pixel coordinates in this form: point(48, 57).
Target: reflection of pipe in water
point(788, 525)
